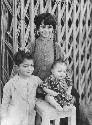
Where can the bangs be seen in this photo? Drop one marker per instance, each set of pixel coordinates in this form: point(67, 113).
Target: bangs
point(47, 21)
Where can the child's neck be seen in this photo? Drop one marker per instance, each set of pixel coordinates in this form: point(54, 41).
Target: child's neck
point(47, 38)
point(62, 78)
point(24, 77)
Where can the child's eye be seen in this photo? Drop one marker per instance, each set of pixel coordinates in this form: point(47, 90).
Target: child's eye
point(32, 65)
point(50, 26)
point(25, 66)
point(42, 26)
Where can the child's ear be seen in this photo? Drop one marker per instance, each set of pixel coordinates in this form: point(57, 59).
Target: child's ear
point(52, 71)
point(17, 68)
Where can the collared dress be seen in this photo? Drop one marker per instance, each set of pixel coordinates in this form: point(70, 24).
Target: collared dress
point(60, 86)
point(18, 101)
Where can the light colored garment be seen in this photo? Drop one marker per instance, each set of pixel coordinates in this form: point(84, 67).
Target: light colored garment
point(18, 101)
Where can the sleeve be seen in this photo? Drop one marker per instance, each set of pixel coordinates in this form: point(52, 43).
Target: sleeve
point(38, 81)
point(6, 99)
point(59, 52)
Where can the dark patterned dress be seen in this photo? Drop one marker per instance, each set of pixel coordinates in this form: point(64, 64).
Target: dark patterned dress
point(59, 86)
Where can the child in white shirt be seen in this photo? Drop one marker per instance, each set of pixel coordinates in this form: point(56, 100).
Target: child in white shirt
point(19, 93)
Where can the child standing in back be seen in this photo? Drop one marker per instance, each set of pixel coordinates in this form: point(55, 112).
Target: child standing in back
point(46, 49)
point(19, 93)
point(58, 86)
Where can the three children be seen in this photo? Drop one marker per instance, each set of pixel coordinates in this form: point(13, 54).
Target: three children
point(20, 92)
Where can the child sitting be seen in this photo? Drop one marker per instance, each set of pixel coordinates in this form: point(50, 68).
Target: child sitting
point(58, 86)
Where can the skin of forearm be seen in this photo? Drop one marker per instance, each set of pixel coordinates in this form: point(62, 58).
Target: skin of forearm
point(50, 92)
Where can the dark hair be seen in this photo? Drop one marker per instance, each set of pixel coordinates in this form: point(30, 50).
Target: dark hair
point(47, 19)
point(60, 60)
point(20, 56)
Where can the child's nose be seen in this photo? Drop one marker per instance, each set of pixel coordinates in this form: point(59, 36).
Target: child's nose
point(31, 67)
point(46, 28)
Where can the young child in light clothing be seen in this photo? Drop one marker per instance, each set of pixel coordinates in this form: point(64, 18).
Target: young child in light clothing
point(58, 86)
point(19, 93)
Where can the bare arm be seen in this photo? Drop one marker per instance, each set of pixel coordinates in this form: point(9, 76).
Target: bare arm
point(69, 90)
point(50, 92)
point(53, 102)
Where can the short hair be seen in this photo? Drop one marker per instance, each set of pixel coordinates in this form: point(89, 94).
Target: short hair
point(47, 18)
point(60, 61)
point(20, 56)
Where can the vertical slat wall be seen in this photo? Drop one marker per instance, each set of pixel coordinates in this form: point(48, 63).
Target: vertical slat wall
point(6, 41)
point(73, 34)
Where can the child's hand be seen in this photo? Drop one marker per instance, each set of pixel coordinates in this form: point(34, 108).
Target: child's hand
point(69, 97)
point(59, 108)
point(69, 90)
point(50, 92)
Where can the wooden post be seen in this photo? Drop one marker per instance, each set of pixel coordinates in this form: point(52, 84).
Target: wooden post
point(74, 42)
point(3, 40)
point(22, 24)
point(50, 6)
point(59, 23)
point(15, 42)
point(32, 20)
point(66, 27)
point(86, 65)
point(41, 6)
point(80, 40)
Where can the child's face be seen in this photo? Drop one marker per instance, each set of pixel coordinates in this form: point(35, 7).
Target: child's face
point(26, 68)
point(59, 70)
point(45, 30)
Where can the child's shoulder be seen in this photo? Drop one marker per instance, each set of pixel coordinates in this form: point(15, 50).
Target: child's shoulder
point(11, 81)
point(14, 78)
point(36, 79)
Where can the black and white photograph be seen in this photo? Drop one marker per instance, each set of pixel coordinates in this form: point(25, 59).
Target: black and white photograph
point(46, 62)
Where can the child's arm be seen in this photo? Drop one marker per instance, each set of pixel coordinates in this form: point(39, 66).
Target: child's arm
point(50, 92)
point(5, 100)
point(69, 90)
point(53, 102)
